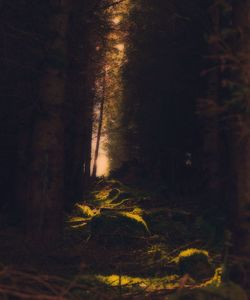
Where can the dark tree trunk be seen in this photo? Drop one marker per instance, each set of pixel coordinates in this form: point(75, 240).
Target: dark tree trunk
point(211, 137)
point(241, 132)
point(45, 203)
point(80, 95)
point(76, 100)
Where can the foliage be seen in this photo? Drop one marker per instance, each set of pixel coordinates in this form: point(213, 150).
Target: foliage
point(82, 215)
point(109, 219)
point(86, 211)
point(190, 252)
point(228, 60)
point(95, 268)
point(112, 199)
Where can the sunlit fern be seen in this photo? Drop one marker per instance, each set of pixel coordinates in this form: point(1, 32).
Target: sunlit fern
point(105, 210)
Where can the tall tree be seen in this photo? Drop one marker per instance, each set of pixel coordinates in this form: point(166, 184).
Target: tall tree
point(161, 94)
point(78, 116)
point(100, 125)
point(45, 204)
point(241, 125)
point(19, 70)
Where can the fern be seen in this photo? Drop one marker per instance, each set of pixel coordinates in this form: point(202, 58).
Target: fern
point(86, 210)
point(137, 218)
point(76, 220)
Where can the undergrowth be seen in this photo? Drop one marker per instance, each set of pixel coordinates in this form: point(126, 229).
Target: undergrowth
point(125, 243)
point(149, 248)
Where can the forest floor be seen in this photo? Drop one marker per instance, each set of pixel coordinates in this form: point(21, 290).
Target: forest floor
point(124, 242)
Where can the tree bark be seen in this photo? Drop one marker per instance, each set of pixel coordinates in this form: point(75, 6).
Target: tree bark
point(211, 139)
point(82, 42)
point(45, 205)
point(241, 133)
point(76, 102)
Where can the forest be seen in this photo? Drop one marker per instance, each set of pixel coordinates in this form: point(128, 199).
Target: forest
point(125, 149)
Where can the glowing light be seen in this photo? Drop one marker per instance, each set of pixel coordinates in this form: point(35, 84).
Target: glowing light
point(120, 47)
point(114, 57)
point(102, 165)
point(103, 159)
point(117, 20)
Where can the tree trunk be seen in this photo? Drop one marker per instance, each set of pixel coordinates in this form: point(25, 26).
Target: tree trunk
point(211, 139)
point(45, 205)
point(80, 98)
point(99, 130)
point(241, 134)
point(76, 101)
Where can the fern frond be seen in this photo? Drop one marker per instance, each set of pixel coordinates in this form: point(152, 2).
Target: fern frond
point(135, 217)
point(77, 219)
point(86, 210)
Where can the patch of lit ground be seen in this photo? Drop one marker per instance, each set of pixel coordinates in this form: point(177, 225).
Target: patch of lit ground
point(150, 284)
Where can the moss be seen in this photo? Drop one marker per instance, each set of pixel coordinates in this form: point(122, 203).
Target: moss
point(85, 210)
point(195, 262)
point(117, 227)
point(114, 194)
point(150, 284)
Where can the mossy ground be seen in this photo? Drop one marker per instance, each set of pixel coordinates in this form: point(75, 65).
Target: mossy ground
point(121, 243)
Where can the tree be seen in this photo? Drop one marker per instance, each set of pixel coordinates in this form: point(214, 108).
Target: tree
point(21, 55)
point(80, 98)
point(99, 125)
point(49, 108)
point(241, 125)
point(162, 84)
point(110, 59)
point(44, 207)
